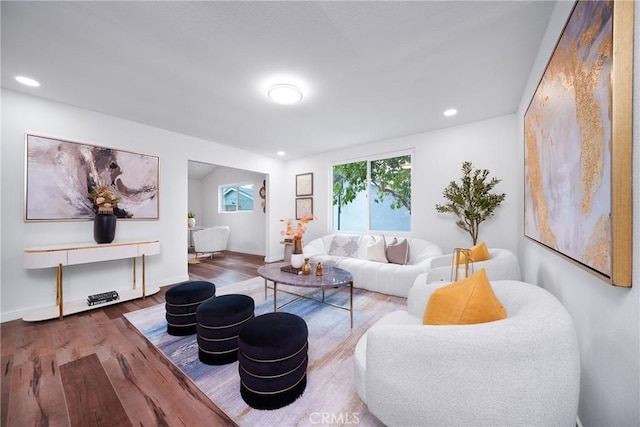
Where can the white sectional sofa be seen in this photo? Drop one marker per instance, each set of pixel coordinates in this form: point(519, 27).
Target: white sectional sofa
point(350, 252)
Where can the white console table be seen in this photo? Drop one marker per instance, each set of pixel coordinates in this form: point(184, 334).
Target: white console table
point(83, 253)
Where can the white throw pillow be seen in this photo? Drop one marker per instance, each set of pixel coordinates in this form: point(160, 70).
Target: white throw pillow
point(344, 245)
point(376, 250)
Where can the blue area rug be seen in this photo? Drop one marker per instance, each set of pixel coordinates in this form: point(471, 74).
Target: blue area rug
point(330, 397)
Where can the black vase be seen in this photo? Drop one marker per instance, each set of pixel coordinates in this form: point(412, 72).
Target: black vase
point(104, 227)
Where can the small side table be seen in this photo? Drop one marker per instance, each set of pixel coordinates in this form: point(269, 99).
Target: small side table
point(288, 248)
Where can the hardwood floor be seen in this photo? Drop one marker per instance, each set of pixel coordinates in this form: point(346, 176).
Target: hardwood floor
point(93, 369)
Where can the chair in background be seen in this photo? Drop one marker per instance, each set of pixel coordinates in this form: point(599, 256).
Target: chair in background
point(211, 240)
point(503, 265)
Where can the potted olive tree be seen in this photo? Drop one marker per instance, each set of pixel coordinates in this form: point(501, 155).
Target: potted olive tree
point(471, 200)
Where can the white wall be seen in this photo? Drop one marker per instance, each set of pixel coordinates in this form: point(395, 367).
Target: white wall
point(437, 160)
point(606, 317)
point(23, 290)
point(194, 201)
point(247, 228)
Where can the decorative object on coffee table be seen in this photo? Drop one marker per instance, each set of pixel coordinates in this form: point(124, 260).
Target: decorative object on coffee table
point(105, 200)
point(319, 270)
point(297, 256)
point(306, 268)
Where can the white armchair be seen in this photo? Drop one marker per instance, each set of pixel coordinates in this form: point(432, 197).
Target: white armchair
point(211, 240)
point(503, 265)
point(520, 371)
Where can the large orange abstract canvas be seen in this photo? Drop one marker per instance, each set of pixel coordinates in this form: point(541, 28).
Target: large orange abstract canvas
point(569, 143)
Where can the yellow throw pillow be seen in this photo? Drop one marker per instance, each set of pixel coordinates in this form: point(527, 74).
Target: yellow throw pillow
point(477, 253)
point(465, 302)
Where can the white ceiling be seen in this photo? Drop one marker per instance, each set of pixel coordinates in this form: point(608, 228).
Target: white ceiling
point(371, 70)
point(198, 170)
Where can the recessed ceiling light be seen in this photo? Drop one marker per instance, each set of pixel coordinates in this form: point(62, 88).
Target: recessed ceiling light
point(451, 112)
point(284, 94)
point(281, 153)
point(27, 81)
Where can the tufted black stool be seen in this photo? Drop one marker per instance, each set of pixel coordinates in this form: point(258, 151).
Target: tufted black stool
point(181, 303)
point(219, 321)
point(273, 360)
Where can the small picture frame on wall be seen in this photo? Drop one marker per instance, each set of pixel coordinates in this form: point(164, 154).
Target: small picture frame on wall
point(304, 207)
point(304, 184)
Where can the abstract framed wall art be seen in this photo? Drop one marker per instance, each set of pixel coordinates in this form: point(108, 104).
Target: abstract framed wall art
point(304, 207)
point(578, 144)
point(59, 175)
point(304, 184)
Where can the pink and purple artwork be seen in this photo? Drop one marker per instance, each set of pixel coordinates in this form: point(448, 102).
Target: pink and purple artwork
point(60, 175)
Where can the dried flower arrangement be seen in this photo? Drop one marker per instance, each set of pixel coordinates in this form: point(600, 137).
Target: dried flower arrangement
point(103, 198)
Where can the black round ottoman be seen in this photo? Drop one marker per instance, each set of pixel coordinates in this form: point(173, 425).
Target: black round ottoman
point(219, 321)
point(273, 360)
point(181, 303)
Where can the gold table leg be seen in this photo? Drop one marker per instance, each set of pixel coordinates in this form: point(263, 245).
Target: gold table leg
point(59, 298)
point(144, 278)
point(134, 272)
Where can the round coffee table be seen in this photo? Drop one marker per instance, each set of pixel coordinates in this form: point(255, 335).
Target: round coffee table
point(332, 277)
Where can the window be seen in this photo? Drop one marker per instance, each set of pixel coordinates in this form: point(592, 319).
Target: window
point(236, 198)
point(373, 194)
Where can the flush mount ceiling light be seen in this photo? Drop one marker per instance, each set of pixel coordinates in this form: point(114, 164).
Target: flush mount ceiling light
point(450, 112)
point(284, 94)
point(27, 81)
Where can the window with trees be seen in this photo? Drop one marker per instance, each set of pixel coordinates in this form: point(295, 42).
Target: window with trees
point(236, 198)
point(373, 194)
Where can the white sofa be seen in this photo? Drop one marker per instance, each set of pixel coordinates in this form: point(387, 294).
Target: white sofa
point(386, 278)
point(523, 370)
point(503, 265)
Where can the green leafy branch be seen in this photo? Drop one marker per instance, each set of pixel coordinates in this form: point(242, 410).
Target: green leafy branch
point(471, 201)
